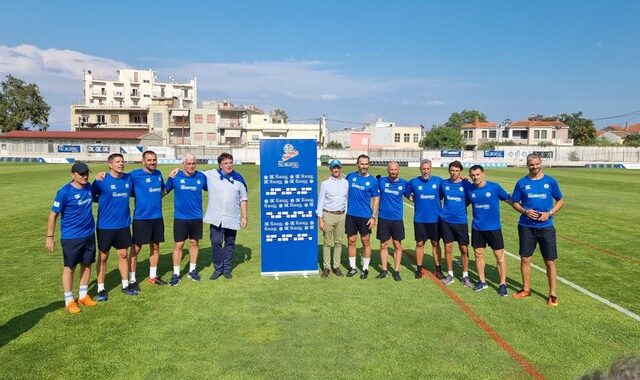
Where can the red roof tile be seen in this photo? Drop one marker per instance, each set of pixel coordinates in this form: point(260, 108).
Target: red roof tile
point(71, 135)
point(535, 123)
point(479, 124)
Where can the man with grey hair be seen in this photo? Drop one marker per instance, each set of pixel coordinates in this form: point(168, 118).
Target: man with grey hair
point(187, 210)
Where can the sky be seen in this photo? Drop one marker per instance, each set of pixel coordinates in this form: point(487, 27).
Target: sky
point(409, 62)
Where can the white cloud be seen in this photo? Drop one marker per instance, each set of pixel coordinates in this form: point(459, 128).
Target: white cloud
point(426, 103)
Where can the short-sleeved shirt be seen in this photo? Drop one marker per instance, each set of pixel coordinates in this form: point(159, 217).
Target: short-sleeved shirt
point(485, 202)
point(148, 189)
point(113, 196)
point(187, 197)
point(361, 190)
point(454, 201)
point(225, 195)
point(426, 199)
point(538, 195)
point(75, 207)
point(391, 193)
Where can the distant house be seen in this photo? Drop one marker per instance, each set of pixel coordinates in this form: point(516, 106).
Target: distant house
point(524, 132)
point(616, 133)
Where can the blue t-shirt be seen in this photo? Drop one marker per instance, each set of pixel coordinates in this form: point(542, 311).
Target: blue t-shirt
point(485, 202)
point(426, 199)
point(112, 195)
point(187, 198)
point(391, 193)
point(538, 195)
point(361, 190)
point(147, 189)
point(74, 205)
point(454, 201)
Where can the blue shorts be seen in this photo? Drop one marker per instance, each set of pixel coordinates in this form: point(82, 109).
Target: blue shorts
point(119, 239)
point(78, 251)
point(454, 232)
point(354, 225)
point(390, 229)
point(184, 229)
point(426, 231)
point(493, 238)
point(546, 237)
point(148, 231)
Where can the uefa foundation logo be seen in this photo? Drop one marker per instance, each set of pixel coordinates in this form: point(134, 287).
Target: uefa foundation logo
point(288, 152)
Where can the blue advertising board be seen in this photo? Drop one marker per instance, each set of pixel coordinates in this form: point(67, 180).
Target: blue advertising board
point(288, 179)
point(68, 148)
point(450, 153)
point(494, 153)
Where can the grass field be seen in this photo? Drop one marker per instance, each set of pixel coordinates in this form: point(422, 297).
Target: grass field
point(335, 328)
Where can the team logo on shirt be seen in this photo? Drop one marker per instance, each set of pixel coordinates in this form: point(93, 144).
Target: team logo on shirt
point(488, 194)
point(113, 187)
point(446, 188)
point(473, 195)
point(353, 180)
point(56, 204)
point(367, 183)
point(420, 187)
point(77, 196)
point(461, 188)
point(126, 185)
point(147, 180)
point(546, 185)
point(527, 187)
point(399, 187)
point(198, 182)
point(182, 181)
point(288, 152)
point(386, 185)
point(434, 186)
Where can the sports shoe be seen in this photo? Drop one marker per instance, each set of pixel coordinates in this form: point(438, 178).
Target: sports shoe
point(128, 291)
point(157, 281)
point(194, 276)
point(227, 275)
point(396, 276)
point(438, 273)
point(175, 280)
point(419, 274)
point(338, 272)
point(351, 272)
point(502, 290)
point(102, 296)
point(480, 286)
point(448, 280)
point(325, 273)
point(364, 274)
point(73, 308)
point(466, 282)
point(86, 301)
point(522, 293)
point(552, 301)
point(135, 286)
point(216, 275)
point(382, 275)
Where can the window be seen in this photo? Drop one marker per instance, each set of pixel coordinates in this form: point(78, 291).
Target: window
point(407, 137)
point(139, 119)
point(416, 137)
point(255, 137)
point(484, 134)
point(211, 118)
point(553, 134)
point(134, 92)
point(396, 137)
point(145, 81)
point(198, 136)
point(467, 134)
point(157, 120)
point(492, 134)
point(543, 134)
point(536, 134)
point(211, 137)
point(197, 118)
point(115, 119)
point(101, 119)
point(505, 134)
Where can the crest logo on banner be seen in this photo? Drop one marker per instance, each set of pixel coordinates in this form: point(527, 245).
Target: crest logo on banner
point(288, 152)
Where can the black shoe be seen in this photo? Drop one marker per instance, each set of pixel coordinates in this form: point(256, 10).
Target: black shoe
point(439, 275)
point(325, 273)
point(364, 274)
point(351, 272)
point(215, 275)
point(227, 275)
point(337, 272)
point(128, 291)
point(382, 275)
point(134, 286)
point(396, 276)
point(419, 274)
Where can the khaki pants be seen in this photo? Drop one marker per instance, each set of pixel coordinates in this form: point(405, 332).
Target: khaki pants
point(333, 238)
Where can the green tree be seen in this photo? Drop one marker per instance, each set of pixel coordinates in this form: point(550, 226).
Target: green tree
point(442, 138)
point(632, 140)
point(279, 116)
point(457, 120)
point(21, 104)
point(334, 145)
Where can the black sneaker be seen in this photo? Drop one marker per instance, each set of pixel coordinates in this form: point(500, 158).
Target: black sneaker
point(216, 275)
point(134, 286)
point(128, 291)
point(351, 272)
point(396, 276)
point(338, 272)
point(419, 274)
point(364, 274)
point(227, 275)
point(102, 296)
point(382, 275)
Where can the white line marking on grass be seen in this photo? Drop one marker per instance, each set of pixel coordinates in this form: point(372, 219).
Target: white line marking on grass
point(577, 287)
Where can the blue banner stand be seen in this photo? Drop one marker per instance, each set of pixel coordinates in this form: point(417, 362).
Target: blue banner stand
point(288, 194)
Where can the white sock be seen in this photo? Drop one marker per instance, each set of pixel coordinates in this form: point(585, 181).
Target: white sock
point(100, 287)
point(132, 277)
point(83, 291)
point(152, 272)
point(465, 274)
point(68, 298)
point(192, 267)
point(450, 273)
point(125, 283)
point(352, 262)
point(176, 270)
point(365, 263)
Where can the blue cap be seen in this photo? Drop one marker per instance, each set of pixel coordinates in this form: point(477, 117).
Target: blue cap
point(334, 163)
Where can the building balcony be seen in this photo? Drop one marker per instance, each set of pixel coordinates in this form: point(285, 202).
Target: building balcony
point(232, 124)
point(99, 94)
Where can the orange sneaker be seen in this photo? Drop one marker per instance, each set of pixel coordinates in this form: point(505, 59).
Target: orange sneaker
point(522, 293)
point(73, 308)
point(87, 301)
point(552, 301)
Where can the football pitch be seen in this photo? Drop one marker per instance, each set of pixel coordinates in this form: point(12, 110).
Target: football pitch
point(295, 327)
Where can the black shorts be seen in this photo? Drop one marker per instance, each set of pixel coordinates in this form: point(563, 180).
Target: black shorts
point(354, 225)
point(79, 251)
point(451, 232)
point(119, 239)
point(184, 229)
point(546, 237)
point(148, 231)
point(393, 229)
point(426, 231)
point(493, 238)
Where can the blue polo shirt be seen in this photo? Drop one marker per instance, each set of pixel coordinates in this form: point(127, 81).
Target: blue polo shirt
point(187, 198)
point(539, 195)
point(112, 195)
point(148, 189)
point(361, 190)
point(426, 199)
point(485, 202)
point(454, 201)
point(391, 193)
point(74, 205)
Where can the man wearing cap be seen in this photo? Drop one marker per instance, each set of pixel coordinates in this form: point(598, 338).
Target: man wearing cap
point(332, 204)
point(77, 228)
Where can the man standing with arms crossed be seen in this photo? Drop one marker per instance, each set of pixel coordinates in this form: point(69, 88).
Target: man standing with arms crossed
point(425, 191)
point(453, 221)
point(77, 228)
point(533, 197)
point(226, 213)
point(114, 218)
point(390, 221)
point(187, 210)
point(486, 229)
point(332, 205)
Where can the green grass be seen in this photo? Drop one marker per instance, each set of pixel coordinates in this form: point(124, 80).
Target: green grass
point(314, 328)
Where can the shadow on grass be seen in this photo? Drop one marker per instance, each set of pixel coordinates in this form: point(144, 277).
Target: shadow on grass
point(20, 324)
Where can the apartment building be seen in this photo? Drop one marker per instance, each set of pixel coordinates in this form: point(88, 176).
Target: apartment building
point(523, 132)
